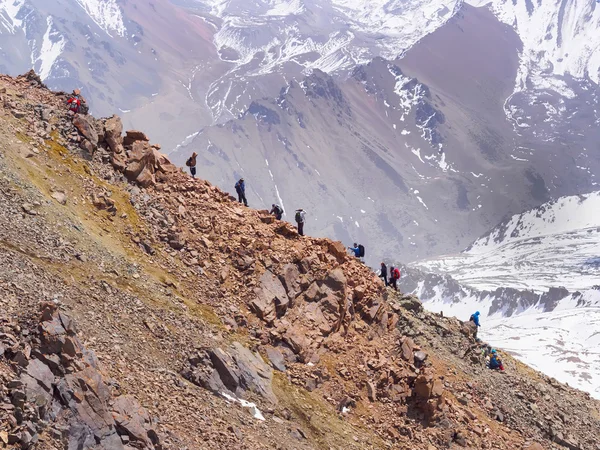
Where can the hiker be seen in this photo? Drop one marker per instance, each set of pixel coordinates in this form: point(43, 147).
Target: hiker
point(300, 219)
point(383, 273)
point(240, 188)
point(355, 250)
point(191, 163)
point(74, 102)
point(359, 250)
point(394, 277)
point(277, 211)
point(475, 319)
point(495, 361)
point(77, 103)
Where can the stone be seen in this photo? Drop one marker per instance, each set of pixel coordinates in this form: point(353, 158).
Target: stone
point(18, 114)
point(289, 279)
point(86, 128)
point(371, 391)
point(534, 446)
point(276, 358)
point(132, 136)
point(338, 250)
point(113, 129)
point(271, 298)
point(28, 209)
point(420, 357)
point(437, 389)
point(236, 370)
point(131, 419)
point(424, 385)
point(411, 303)
point(60, 197)
point(144, 163)
point(335, 280)
point(407, 349)
point(41, 372)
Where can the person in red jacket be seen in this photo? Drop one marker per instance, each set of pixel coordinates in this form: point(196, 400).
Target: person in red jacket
point(74, 102)
point(394, 277)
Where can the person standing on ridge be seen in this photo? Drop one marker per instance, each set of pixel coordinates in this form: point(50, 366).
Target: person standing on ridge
point(394, 277)
point(475, 319)
point(240, 188)
point(277, 211)
point(383, 273)
point(191, 163)
point(300, 219)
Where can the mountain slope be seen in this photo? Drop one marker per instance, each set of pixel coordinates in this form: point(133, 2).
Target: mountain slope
point(191, 301)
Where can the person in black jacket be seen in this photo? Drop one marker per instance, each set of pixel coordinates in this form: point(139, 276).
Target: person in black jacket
point(276, 211)
point(383, 273)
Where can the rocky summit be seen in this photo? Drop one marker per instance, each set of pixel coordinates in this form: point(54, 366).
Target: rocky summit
point(145, 309)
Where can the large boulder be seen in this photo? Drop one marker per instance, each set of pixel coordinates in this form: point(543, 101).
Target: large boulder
point(113, 129)
point(144, 162)
point(234, 370)
point(86, 128)
point(271, 299)
point(132, 136)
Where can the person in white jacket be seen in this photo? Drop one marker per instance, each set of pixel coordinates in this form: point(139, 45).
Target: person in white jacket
point(300, 219)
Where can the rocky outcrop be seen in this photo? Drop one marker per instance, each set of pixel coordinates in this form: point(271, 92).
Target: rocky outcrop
point(58, 384)
point(235, 371)
point(145, 162)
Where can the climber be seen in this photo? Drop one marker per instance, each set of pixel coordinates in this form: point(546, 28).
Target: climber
point(495, 362)
point(240, 188)
point(355, 250)
point(394, 277)
point(277, 211)
point(191, 163)
point(383, 273)
point(475, 319)
point(74, 102)
point(300, 219)
point(77, 103)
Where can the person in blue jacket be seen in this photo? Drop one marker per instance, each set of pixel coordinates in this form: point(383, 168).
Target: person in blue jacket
point(475, 319)
point(356, 250)
point(240, 188)
point(495, 361)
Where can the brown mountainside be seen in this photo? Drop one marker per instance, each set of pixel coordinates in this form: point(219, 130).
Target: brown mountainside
point(143, 309)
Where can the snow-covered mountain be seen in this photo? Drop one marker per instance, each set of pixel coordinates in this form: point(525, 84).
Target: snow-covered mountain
point(535, 278)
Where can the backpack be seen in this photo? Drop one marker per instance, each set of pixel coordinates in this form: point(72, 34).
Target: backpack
point(396, 274)
point(361, 251)
point(278, 210)
point(189, 162)
point(298, 217)
point(74, 104)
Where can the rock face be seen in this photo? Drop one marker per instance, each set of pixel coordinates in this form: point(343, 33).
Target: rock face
point(144, 162)
point(113, 130)
point(271, 298)
point(85, 126)
point(236, 371)
point(59, 380)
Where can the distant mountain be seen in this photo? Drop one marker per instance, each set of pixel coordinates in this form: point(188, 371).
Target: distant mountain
point(411, 126)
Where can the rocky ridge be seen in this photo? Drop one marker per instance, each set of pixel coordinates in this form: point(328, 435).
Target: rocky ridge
point(185, 294)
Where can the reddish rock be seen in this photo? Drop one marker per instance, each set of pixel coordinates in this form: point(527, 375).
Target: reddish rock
point(85, 126)
point(113, 129)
